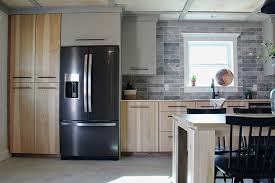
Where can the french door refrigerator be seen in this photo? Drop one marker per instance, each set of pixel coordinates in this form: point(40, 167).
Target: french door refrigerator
point(89, 102)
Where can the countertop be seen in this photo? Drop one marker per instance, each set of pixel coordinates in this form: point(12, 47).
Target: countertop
point(207, 120)
point(194, 100)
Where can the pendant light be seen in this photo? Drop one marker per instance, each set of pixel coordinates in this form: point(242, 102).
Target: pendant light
point(268, 7)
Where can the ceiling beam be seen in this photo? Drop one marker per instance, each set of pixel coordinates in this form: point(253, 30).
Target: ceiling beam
point(80, 9)
point(186, 9)
point(4, 7)
point(255, 12)
point(34, 3)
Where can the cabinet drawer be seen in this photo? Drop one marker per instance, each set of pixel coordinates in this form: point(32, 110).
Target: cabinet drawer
point(235, 104)
point(166, 120)
point(176, 106)
point(204, 105)
point(166, 142)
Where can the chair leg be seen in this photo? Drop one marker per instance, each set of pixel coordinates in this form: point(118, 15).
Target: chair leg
point(237, 180)
point(216, 171)
point(224, 178)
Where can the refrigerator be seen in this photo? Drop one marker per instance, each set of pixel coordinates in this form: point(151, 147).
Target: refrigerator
point(89, 102)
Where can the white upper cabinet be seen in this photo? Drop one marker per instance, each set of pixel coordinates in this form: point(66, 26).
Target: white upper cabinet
point(139, 45)
point(269, 35)
point(91, 29)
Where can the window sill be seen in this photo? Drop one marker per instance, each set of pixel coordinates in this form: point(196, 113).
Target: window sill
point(205, 89)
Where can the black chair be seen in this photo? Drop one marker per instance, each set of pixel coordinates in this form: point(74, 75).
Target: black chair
point(220, 149)
point(249, 163)
point(252, 110)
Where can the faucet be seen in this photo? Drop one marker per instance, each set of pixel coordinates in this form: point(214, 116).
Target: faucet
point(214, 94)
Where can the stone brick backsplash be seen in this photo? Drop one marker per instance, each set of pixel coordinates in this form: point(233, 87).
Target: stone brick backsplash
point(170, 61)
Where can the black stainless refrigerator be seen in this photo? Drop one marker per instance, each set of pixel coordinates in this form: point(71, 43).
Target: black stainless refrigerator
point(89, 102)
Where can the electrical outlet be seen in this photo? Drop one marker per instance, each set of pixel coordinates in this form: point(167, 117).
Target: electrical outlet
point(254, 88)
point(166, 87)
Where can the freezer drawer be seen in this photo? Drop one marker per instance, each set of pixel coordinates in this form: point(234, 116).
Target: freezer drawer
point(93, 140)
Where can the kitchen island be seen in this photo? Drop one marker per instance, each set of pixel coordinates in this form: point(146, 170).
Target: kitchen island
point(194, 141)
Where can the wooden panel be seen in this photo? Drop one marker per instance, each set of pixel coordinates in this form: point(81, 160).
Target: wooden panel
point(139, 126)
point(235, 104)
point(204, 105)
point(176, 106)
point(47, 52)
point(47, 118)
point(22, 48)
point(22, 118)
point(166, 121)
point(165, 141)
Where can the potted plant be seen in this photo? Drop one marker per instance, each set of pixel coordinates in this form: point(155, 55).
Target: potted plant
point(193, 80)
point(130, 93)
point(248, 94)
point(269, 55)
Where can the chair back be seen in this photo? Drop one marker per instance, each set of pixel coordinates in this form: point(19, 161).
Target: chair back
point(252, 110)
point(255, 157)
point(206, 111)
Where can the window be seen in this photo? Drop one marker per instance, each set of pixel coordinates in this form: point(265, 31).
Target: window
point(204, 55)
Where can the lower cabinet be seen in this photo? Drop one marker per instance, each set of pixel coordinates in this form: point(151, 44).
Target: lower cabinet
point(34, 110)
point(165, 141)
point(47, 118)
point(139, 126)
point(22, 132)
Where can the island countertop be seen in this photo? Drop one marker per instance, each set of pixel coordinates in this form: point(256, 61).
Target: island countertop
point(207, 120)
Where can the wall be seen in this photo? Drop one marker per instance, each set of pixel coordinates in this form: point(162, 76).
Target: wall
point(170, 67)
point(4, 153)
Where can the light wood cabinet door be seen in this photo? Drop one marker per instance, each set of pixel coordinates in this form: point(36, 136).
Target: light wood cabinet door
point(165, 141)
point(47, 118)
point(22, 124)
point(22, 48)
point(47, 47)
point(166, 120)
point(139, 126)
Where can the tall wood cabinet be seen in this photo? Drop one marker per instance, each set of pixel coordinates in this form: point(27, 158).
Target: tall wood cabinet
point(139, 126)
point(34, 88)
point(22, 48)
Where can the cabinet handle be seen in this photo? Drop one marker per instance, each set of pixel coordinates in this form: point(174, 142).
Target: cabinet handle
point(206, 106)
point(236, 106)
point(139, 107)
point(46, 77)
point(170, 136)
point(139, 68)
point(96, 39)
point(22, 87)
point(170, 116)
point(177, 106)
point(47, 88)
point(21, 77)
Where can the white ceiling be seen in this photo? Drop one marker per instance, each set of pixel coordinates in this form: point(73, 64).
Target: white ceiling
point(226, 5)
point(234, 10)
point(152, 5)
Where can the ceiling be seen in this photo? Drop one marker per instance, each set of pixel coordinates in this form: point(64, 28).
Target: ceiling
point(234, 10)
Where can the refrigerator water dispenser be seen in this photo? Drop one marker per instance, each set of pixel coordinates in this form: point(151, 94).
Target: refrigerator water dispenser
point(71, 85)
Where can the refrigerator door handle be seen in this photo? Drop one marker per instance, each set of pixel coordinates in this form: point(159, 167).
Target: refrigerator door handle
point(90, 82)
point(89, 124)
point(85, 82)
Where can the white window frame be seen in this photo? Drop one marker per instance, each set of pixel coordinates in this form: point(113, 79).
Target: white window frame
point(210, 37)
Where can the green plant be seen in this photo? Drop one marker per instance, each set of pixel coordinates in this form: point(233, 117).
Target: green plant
point(269, 49)
point(129, 86)
point(194, 77)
